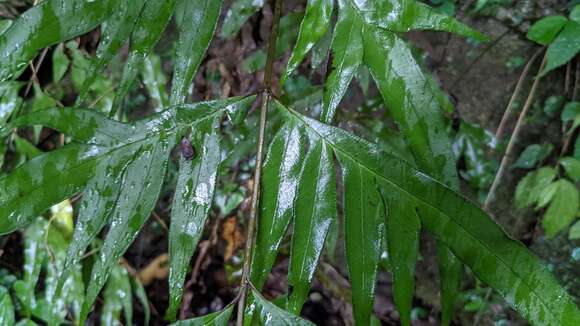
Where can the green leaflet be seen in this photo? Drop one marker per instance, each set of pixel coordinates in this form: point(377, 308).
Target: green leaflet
point(545, 30)
point(564, 47)
point(191, 204)
point(195, 33)
point(138, 194)
point(314, 26)
point(316, 210)
point(219, 318)
point(364, 214)
point(347, 49)
point(115, 30)
point(237, 15)
point(472, 236)
point(117, 296)
point(50, 22)
point(403, 229)
point(152, 21)
point(29, 190)
point(280, 176)
point(416, 107)
point(400, 16)
point(270, 315)
point(121, 165)
point(6, 307)
point(564, 205)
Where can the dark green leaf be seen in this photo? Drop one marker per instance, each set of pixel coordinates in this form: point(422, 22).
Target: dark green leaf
point(152, 21)
point(237, 15)
point(571, 111)
point(564, 47)
point(219, 318)
point(545, 30)
point(314, 25)
point(116, 29)
point(364, 214)
point(271, 315)
point(563, 208)
point(472, 236)
point(316, 210)
point(280, 176)
point(347, 50)
point(575, 231)
point(530, 187)
point(195, 33)
point(48, 23)
point(572, 167)
point(575, 13)
point(117, 296)
point(155, 81)
point(402, 16)
point(403, 227)
point(191, 204)
point(532, 155)
point(6, 307)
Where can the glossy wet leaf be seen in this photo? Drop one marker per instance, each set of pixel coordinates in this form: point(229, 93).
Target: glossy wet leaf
point(364, 213)
point(154, 80)
point(532, 155)
point(9, 99)
point(461, 225)
point(271, 315)
point(347, 54)
point(316, 210)
point(151, 23)
point(237, 15)
point(563, 207)
point(280, 176)
point(403, 227)
point(218, 318)
point(117, 297)
point(564, 47)
point(191, 204)
point(50, 22)
point(116, 30)
point(313, 27)
point(195, 33)
point(121, 166)
point(60, 63)
point(545, 30)
point(141, 295)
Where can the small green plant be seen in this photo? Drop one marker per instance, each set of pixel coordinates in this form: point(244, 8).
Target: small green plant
point(552, 189)
point(561, 35)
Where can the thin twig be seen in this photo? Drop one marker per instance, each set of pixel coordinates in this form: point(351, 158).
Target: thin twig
point(506, 158)
point(266, 95)
point(509, 108)
point(570, 135)
point(479, 56)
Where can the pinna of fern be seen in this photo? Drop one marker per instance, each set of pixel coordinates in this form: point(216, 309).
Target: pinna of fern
point(119, 167)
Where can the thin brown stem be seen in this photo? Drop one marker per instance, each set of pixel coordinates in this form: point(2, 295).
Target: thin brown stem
point(511, 145)
point(509, 108)
point(266, 96)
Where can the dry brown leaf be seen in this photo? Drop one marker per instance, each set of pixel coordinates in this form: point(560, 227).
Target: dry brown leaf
point(233, 236)
point(158, 269)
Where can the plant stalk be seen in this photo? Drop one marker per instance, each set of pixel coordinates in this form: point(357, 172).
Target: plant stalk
point(265, 98)
point(508, 153)
point(509, 108)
